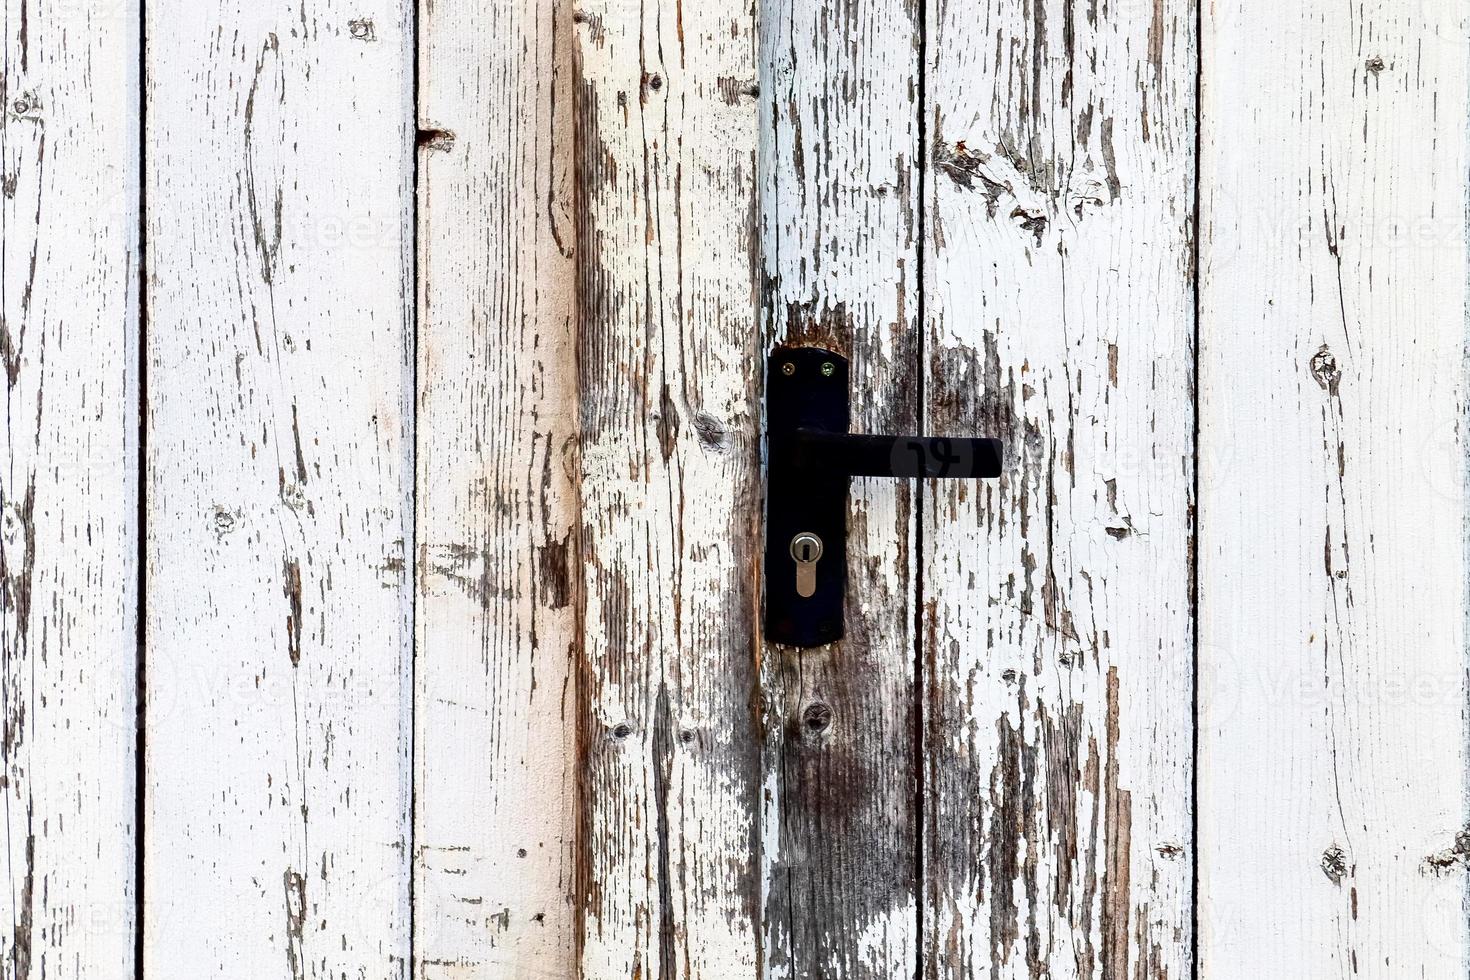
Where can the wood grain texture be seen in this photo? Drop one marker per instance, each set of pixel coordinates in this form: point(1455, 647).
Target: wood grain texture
point(666, 113)
point(1057, 601)
point(280, 156)
point(839, 188)
point(1333, 835)
point(496, 610)
point(69, 197)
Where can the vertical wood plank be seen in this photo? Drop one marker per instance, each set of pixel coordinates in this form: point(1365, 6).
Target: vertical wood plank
point(279, 480)
point(69, 193)
point(1057, 600)
point(1332, 567)
point(667, 349)
point(496, 609)
point(839, 187)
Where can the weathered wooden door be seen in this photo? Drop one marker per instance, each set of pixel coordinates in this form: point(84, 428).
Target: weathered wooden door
point(381, 510)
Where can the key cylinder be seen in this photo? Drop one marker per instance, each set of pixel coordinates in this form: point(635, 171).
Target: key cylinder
point(806, 549)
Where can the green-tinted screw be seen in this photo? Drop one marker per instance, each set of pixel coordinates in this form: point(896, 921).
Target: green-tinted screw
point(828, 369)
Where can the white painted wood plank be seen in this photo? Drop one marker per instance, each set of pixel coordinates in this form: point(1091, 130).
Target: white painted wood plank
point(69, 190)
point(668, 350)
point(279, 480)
point(1332, 564)
point(497, 626)
point(1059, 300)
point(839, 187)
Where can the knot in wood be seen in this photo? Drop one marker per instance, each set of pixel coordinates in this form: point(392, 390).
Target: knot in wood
point(816, 719)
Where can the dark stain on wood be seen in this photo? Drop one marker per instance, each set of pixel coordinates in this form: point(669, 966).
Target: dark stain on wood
point(1061, 745)
point(296, 442)
point(292, 586)
point(663, 761)
point(1117, 899)
point(1012, 783)
point(23, 35)
point(820, 324)
point(13, 335)
point(21, 951)
point(1110, 159)
point(1156, 38)
point(295, 888)
point(266, 220)
point(668, 423)
point(19, 531)
point(9, 347)
point(553, 562)
point(846, 857)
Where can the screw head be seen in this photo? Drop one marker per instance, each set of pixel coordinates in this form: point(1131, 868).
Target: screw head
point(828, 369)
point(788, 369)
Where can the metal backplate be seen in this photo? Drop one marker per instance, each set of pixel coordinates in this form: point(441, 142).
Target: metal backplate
point(806, 387)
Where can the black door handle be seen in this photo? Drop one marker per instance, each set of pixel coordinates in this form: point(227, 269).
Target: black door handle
point(811, 460)
point(936, 457)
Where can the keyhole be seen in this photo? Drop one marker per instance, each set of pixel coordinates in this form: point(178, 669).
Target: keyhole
point(806, 548)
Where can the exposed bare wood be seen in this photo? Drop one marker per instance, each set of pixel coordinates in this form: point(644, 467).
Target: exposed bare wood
point(280, 149)
point(496, 611)
point(1332, 567)
point(69, 195)
point(1057, 602)
point(667, 343)
point(839, 153)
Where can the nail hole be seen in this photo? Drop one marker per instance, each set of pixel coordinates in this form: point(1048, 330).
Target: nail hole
point(438, 140)
point(621, 731)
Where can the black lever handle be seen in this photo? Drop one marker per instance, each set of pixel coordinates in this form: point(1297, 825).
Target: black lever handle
point(811, 459)
point(934, 457)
